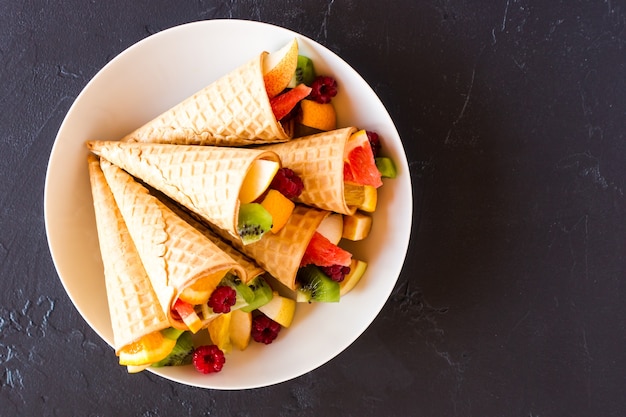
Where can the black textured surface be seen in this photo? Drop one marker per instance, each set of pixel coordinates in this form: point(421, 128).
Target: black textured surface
point(512, 301)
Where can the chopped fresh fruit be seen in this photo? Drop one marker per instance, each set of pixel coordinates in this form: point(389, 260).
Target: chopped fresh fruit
point(222, 299)
point(357, 226)
point(374, 142)
point(314, 285)
point(305, 72)
point(240, 328)
point(181, 353)
point(320, 116)
point(332, 227)
point(200, 291)
point(149, 349)
point(280, 309)
point(288, 183)
point(322, 252)
point(264, 329)
point(219, 332)
point(257, 180)
point(133, 369)
point(279, 67)
point(280, 207)
point(254, 221)
point(262, 294)
point(386, 167)
point(283, 103)
point(323, 89)
point(353, 194)
point(371, 199)
point(359, 165)
point(242, 289)
point(208, 359)
point(336, 272)
point(187, 314)
point(357, 269)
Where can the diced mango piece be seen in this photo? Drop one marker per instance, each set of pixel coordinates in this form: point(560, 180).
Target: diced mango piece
point(357, 226)
point(320, 116)
point(280, 207)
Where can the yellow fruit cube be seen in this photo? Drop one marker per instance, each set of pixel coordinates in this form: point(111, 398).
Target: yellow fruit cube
point(320, 116)
point(357, 226)
point(280, 207)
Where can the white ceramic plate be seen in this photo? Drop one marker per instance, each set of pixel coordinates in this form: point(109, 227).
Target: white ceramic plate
point(150, 77)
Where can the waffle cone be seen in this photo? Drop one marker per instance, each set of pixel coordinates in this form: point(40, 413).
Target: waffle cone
point(204, 179)
point(174, 254)
point(280, 254)
point(232, 111)
point(251, 268)
point(318, 159)
point(133, 305)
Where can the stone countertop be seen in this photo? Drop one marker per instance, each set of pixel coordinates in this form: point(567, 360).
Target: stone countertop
point(512, 299)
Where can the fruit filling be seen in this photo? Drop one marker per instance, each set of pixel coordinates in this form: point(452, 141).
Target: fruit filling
point(264, 329)
point(208, 359)
point(272, 205)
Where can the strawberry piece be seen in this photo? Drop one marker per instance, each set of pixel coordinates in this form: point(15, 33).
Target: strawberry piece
point(282, 104)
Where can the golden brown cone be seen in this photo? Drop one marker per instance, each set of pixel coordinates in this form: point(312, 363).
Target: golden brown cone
point(252, 269)
point(232, 111)
point(318, 160)
point(280, 253)
point(204, 179)
point(174, 254)
point(133, 305)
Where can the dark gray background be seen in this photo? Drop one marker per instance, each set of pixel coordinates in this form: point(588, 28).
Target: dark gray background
point(512, 299)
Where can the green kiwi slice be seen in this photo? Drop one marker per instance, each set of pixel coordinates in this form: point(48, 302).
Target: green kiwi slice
point(262, 294)
point(242, 289)
point(254, 221)
point(316, 285)
point(181, 354)
point(305, 72)
point(386, 167)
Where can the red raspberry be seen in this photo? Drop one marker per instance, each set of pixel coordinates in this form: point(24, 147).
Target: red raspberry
point(323, 89)
point(288, 183)
point(336, 272)
point(222, 299)
point(264, 329)
point(208, 359)
point(374, 142)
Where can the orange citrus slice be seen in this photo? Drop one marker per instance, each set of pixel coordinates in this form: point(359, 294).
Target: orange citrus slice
point(317, 115)
point(200, 291)
point(147, 350)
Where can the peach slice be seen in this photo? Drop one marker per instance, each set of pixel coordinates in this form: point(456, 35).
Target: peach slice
point(357, 226)
point(332, 227)
point(279, 67)
point(280, 207)
point(321, 116)
point(219, 331)
point(280, 309)
point(357, 269)
point(258, 178)
point(240, 329)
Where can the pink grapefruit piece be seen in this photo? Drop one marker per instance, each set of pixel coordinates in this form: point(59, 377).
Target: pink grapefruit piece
point(359, 164)
point(322, 252)
point(283, 103)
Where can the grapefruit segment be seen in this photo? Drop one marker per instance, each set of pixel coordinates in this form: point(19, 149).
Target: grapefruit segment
point(359, 164)
point(322, 252)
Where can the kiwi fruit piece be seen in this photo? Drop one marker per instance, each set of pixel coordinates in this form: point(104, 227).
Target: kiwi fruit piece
point(317, 285)
point(254, 221)
point(305, 72)
point(242, 289)
point(181, 354)
point(386, 167)
point(262, 294)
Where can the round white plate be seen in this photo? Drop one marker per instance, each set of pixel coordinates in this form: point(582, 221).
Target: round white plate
point(149, 78)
